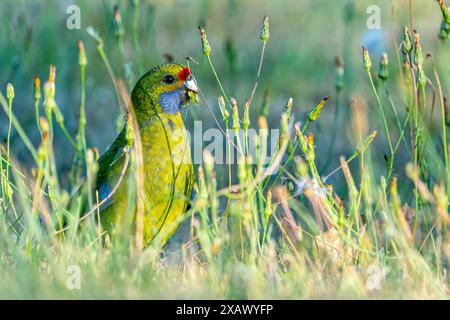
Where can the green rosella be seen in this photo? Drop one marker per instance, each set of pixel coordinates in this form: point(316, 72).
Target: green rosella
point(167, 166)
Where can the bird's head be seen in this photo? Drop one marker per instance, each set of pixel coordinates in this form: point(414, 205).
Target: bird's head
point(164, 88)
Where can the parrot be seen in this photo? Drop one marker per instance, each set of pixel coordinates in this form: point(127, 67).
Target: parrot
point(168, 171)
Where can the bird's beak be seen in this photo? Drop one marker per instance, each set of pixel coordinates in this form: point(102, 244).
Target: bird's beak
point(190, 90)
point(190, 84)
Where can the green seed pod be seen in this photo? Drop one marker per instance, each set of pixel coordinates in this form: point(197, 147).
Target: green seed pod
point(316, 111)
point(362, 147)
point(82, 59)
point(49, 94)
point(236, 124)
point(383, 72)
point(284, 124)
point(301, 167)
point(310, 154)
point(58, 115)
point(42, 154)
point(262, 123)
point(246, 120)
point(9, 92)
point(209, 162)
point(367, 63)
point(205, 44)
point(418, 60)
point(422, 79)
point(37, 88)
point(444, 10)
point(290, 186)
point(418, 56)
point(91, 162)
point(49, 91)
point(288, 108)
point(265, 29)
point(284, 135)
point(406, 69)
point(43, 124)
point(301, 138)
point(407, 40)
point(90, 159)
point(223, 109)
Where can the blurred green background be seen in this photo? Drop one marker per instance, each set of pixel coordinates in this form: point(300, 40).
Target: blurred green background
point(305, 38)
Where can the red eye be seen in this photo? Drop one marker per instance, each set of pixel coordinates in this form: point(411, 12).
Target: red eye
point(183, 74)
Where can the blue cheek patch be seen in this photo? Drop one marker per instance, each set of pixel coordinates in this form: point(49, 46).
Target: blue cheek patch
point(170, 102)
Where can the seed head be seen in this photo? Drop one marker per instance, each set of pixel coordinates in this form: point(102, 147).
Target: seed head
point(43, 124)
point(383, 72)
point(52, 75)
point(236, 124)
point(90, 158)
point(9, 92)
point(366, 59)
point(223, 109)
point(209, 162)
point(262, 123)
point(284, 135)
point(284, 124)
point(407, 39)
point(205, 44)
point(300, 166)
point(82, 60)
point(362, 147)
point(288, 108)
point(418, 59)
point(37, 88)
point(444, 10)
point(96, 153)
point(49, 91)
point(406, 68)
point(418, 56)
point(298, 131)
point(301, 138)
point(246, 120)
point(58, 114)
point(316, 111)
point(265, 29)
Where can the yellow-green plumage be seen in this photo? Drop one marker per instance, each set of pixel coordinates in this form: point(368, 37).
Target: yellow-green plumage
point(167, 166)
